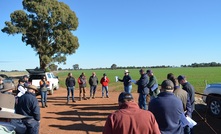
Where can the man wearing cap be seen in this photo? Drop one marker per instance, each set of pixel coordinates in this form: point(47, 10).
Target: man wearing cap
point(28, 106)
point(25, 77)
point(104, 82)
point(130, 119)
point(142, 89)
point(127, 81)
point(152, 85)
point(167, 109)
point(7, 114)
point(191, 93)
point(21, 87)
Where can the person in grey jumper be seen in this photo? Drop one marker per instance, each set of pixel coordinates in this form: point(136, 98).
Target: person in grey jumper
point(93, 81)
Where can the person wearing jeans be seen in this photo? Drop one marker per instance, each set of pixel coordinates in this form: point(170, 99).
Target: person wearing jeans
point(44, 84)
point(70, 84)
point(127, 81)
point(104, 82)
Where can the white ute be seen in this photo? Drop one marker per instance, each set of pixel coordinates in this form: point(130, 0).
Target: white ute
point(35, 76)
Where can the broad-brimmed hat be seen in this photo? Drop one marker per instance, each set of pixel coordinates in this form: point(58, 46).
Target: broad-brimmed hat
point(7, 105)
point(126, 71)
point(7, 86)
point(33, 87)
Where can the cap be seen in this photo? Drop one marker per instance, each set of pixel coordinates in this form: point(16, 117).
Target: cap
point(149, 71)
point(104, 74)
point(180, 77)
point(167, 84)
point(21, 79)
point(125, 95)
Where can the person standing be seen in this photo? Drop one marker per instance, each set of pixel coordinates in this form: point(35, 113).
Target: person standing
point(152, 85)
point(93, 81)
point(191, 93)
point(167, 109)
point(21, 87)
point(127, 81)
point(130, 119)
point(28, 106)
point(142, 89)
point(44, 84)
point(104, 82)
point(181, 94)
point(70, 84)
point(82, 85)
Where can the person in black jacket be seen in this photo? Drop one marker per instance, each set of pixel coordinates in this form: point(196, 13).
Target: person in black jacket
point(127, 81)
point(70, 84)
point(142, 89)
point(27, 105)
point(93, 81)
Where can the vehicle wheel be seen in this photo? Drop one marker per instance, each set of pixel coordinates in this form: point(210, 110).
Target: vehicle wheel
point(51, 91)
point(214, 106)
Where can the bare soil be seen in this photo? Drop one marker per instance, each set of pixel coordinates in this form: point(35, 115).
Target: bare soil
point(89, 116)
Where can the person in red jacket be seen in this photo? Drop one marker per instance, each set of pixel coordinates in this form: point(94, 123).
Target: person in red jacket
point(130, 119)
point(104, 82)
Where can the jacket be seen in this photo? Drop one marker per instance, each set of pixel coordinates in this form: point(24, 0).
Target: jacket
point(130, 119)
point(93, 81)
point(82, 81)
point(104, 82)
point(70, 82)
point(44, 85)
point(167, 109)
point(142, 84)
point(28, 106)
point(127, 80)
point(191, 92)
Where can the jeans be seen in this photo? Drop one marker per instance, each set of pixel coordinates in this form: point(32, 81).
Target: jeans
point(142, 101)
point(44, 97)
point(32, 126)
point(128, 88)
point(70, 90)
point(93, 89)
point(20, 127)
point(106, 89)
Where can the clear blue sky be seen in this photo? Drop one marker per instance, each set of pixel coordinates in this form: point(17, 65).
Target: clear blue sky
point(128, 33)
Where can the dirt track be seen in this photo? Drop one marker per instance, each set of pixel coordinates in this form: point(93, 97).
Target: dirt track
point(88, 116)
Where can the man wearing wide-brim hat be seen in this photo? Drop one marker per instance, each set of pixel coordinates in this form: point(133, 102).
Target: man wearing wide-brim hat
point(127, 81)
point(7, 113)
point(28, 106)
point(8, 88)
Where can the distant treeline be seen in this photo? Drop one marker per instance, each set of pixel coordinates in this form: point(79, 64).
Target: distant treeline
point(211, 64)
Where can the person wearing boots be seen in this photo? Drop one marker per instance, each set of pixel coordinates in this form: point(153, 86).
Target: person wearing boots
point(44, 84)
point(82, 86)
point(93, 81)
point(70, 84)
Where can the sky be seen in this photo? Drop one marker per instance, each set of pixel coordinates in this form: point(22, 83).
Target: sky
point(128, 33)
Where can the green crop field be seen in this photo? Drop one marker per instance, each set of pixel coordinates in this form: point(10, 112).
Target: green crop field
point(198, 77)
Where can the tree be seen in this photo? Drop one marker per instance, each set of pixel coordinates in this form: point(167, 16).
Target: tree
point(113, 66)
point(46, 26)
point(53, 67)
point(76, 66)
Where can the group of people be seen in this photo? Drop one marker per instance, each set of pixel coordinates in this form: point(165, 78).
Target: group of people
point(70, 83)
point(166, 106)
point(20, 111)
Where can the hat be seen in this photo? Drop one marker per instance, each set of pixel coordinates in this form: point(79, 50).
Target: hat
point(7, 86)
point(167, 84)
point(149, 71)
point(21, 79)
point(126, 71)
point(125, 95)
point(181, 77)
point(7, 105)
point(33, 87)
point(104, 74)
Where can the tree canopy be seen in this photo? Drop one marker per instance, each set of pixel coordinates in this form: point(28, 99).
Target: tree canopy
point(46, 26)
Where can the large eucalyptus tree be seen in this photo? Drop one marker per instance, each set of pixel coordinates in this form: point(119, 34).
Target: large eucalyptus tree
point(45, 25)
